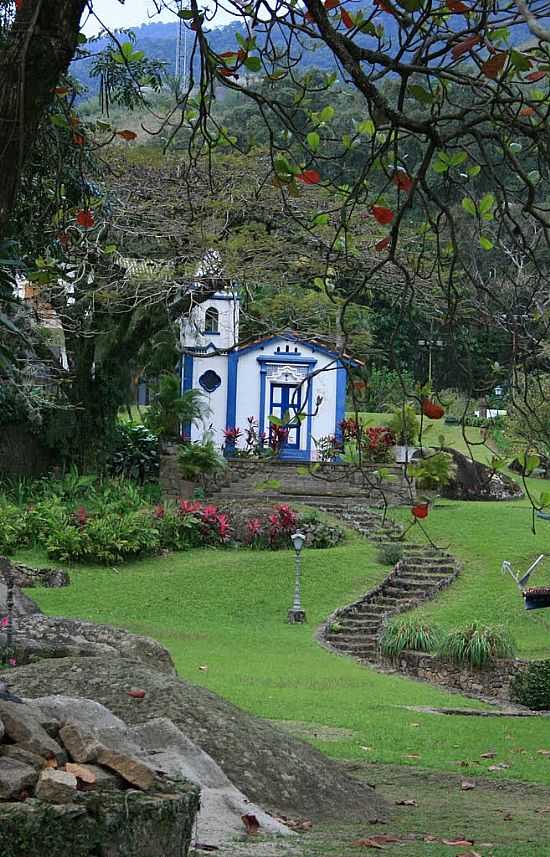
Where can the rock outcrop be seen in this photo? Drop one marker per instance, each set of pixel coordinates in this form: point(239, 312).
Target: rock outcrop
point(477, 481)
point(278, 772)
point(40, 637)
point(121, 806)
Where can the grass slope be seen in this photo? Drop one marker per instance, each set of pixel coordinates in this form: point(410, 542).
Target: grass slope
point(226, 610)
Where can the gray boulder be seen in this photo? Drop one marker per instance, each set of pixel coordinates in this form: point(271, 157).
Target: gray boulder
point(40, 637)
point(22, 604)
point(24, 728)
point(15, 777)
point(275, 770)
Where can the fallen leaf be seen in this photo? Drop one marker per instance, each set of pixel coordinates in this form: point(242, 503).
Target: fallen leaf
point(136, 693)
point(127, 135)
point(203, 668)
point(498, 767)
point(251, 823)
point(411, 756)
point(81, 772)
point(51, 762)
point(527, 111)
point(457, 841)
point(407, 802)
point(366, 843)
point(543, 752)
point(466, 786)
point(488, 756)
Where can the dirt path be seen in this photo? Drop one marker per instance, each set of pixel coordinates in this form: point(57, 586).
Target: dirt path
point(501, 819)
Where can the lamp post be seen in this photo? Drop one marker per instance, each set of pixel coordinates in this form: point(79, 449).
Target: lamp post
point(430, 344)
point(297, 614)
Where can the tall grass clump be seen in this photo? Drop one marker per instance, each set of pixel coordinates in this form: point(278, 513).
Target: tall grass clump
point(477, 645)
point(409, 634)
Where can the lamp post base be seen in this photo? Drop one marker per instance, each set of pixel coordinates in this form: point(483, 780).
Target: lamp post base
point(296, 617)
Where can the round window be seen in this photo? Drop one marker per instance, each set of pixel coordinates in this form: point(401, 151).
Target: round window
point(210, 381)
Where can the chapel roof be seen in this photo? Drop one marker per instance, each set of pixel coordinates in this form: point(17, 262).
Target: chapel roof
point(315, 342)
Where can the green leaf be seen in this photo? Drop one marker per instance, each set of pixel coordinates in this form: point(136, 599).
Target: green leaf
point(486, 243)
point(326, 114)
point(520, 61)
point(420, 94)
point(186, 14)
point(486, 202)
point(347, 141)
point(367, 127)
point(440, 166)
point(534, 176)
point(321, 219)
point(474, 171)
point(313, 140)
point(469, 206)
point(515, 148)
point(253, 63)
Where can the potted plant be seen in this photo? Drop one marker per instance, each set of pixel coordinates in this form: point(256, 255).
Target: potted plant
point(405, 426)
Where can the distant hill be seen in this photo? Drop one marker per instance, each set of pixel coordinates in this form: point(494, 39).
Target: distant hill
point(158, 41)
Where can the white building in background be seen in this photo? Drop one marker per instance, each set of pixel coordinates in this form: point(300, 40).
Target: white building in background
point(277, 375)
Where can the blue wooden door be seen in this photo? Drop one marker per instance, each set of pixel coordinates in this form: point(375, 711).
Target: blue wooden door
point(286, 401)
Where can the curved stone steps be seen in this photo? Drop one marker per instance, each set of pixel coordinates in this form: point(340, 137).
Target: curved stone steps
point(422, 572)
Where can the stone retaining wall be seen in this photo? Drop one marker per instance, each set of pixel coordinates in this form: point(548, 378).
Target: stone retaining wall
point(492, 681)
point(249, 477)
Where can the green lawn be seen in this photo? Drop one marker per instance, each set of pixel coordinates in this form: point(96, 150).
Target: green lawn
point(226, 610)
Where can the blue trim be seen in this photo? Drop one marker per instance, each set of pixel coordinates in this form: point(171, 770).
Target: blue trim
point(221, 296)
point(285, 405)
point(231, 409)
point(285, 358)
point(187, 384)
point(187, 375)
point(315, 347)
point(341, 384)
point(294, 454)
point(309, 382)
point(261, 418)
point(211, 333)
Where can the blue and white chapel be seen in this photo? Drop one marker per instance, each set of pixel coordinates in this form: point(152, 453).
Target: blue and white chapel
point(275, 375)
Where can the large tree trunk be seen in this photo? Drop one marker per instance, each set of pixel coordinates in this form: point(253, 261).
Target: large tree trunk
point(39, 47)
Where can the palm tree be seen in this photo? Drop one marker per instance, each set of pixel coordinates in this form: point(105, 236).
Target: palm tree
point(171, 408)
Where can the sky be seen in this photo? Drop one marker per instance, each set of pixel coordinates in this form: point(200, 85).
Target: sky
point(113, 14)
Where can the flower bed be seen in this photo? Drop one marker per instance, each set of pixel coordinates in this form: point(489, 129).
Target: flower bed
point(108, 523)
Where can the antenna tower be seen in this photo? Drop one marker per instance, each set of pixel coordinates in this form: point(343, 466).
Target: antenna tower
point(181, 48)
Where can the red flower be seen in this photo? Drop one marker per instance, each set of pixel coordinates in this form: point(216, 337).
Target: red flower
point(159, 511)
point(85, 218)
point(81, 517)
point(402, 180)
point(253, 529)
point(382, 214)
point(432, 410)
point(309, 177)
point(232, 435)
point(420, 510)
point(287, 516)
point(189, 507)
point(223, 527)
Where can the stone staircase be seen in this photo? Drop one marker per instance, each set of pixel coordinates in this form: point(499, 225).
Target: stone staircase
point(420, 575)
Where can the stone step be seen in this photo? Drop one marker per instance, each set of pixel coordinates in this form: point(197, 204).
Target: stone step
point(353, 641)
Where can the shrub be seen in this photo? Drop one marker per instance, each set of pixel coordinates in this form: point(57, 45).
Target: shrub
point(390, 553)
point(408, 634)
point(199, 459)
point(531, 687)
point(135, 452)
point(321, 535)
point(12, 527)
point(477, 645)
point(434, 471)
point(405, 425)
point(170, 408)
